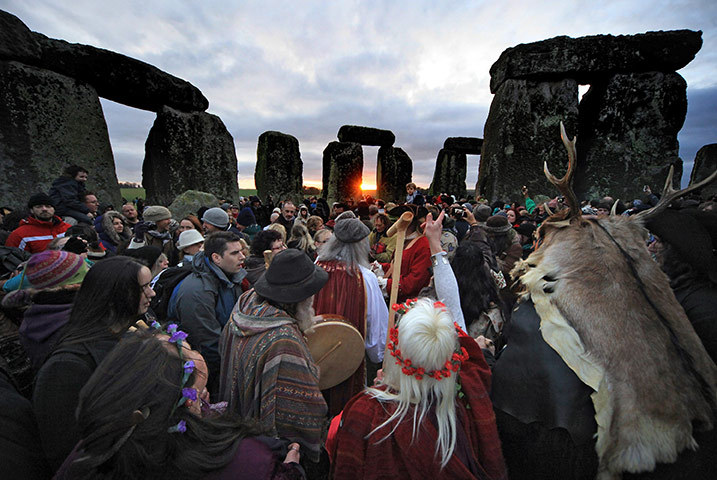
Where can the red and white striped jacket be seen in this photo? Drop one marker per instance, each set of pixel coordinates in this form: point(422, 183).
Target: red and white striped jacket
point(33, 235)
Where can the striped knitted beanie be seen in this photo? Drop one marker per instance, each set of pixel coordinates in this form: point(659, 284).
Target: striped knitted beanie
point(53, 268)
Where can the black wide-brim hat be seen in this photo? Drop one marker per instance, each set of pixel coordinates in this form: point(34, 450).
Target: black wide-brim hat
point(291, 278)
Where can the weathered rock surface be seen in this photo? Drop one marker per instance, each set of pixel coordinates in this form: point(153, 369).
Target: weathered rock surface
point(49, 121)
point(279, 167)
point(587, 58)
point(628, 134)
point(366, 135)
point(115, 76)
point(705, 165)
point(190, 202)
point(467, 145)
point(521, 132)
point(450, 174)
point(188, 151)
point(393, 171)
point(16, 40)
point(120, 78)
point(342, 171)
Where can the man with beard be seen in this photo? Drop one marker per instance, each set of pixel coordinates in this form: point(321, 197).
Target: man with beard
point(38, 229)
point(352, 291)
point(267, 372)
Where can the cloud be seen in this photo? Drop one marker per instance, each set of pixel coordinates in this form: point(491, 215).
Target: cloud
point(416, 67)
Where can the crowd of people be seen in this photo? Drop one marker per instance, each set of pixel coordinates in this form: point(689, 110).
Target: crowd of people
point(134, 344)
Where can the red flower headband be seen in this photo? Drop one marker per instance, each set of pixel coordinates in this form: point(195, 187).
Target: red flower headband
point(452, 365)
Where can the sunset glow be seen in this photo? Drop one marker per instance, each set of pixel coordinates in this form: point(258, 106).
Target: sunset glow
point(367, 186)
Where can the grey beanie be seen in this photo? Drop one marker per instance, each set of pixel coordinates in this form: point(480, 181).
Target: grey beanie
point(482, 212)
point(350, 230)
point(217, 217)
point(156, 213)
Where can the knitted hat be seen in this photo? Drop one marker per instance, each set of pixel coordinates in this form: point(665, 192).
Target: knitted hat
point(482, 212)
point(217, 217)
point(246, 217)
point(53, 268)
point(497, 224)
point(350, 230)
point(40, 198)
point(188, 238)
point(156, 213)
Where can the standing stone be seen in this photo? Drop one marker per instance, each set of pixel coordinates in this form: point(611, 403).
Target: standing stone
point(628, 134)
point(450, 174)
point(705, 165)
point(366, 135)
point(279, 168)
point(188, 151)
point(467, 145)
point(521, 132)
point(393, 172)
point(342, 172)
point(49, 121)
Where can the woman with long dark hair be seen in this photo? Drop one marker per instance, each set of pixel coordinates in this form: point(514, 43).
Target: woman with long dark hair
point(483, 309)
point(140, 416)
point(113, 295)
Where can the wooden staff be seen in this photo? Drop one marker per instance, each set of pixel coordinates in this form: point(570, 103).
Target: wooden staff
point(398, 229)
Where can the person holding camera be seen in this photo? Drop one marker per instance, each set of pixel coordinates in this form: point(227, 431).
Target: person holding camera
point(461, 226)
point(154, 231)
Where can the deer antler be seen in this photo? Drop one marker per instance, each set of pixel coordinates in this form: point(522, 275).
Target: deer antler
point(564, 184)
point(669, 195)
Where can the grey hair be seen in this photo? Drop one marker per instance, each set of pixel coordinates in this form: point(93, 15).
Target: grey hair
point(352, 254)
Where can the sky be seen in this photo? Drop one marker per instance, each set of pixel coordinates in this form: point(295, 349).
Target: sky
point(418, 68)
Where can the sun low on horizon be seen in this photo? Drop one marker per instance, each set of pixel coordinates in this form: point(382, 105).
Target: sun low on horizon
point(368, 186)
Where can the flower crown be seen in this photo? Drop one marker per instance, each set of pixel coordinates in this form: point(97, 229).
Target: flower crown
point(177, 337)
point(452, 365)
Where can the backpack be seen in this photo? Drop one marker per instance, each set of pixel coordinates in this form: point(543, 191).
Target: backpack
point(168, 282)
point(10, 258)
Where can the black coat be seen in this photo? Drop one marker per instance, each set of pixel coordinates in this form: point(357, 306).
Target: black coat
point(57, 392)
point(20, 452)
point(700, 303)
point(67, 194)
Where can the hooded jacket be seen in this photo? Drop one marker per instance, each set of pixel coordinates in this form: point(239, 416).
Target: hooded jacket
point(202, 305)
point(46, 312)
point(268, 373)
point(109, 238)
point(33, 235)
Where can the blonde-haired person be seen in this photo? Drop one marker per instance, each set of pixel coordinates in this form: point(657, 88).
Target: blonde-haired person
point(430, 415)
point(279, 228)
point(301, 240)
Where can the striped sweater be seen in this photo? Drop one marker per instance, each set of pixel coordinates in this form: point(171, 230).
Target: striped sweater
point(268, 375)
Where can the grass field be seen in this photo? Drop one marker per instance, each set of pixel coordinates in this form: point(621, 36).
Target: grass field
point(132, 193)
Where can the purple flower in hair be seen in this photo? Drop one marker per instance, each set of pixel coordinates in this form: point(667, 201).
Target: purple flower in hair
point(181, 427)
point(171, 328)
point(177, 336)
point(156, 325)
point(190, 394)
point(189, 366)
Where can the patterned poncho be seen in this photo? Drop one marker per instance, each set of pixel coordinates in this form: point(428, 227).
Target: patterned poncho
point(268, 374)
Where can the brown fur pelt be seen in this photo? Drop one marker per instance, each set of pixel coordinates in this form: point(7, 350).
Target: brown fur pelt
point(652, 377)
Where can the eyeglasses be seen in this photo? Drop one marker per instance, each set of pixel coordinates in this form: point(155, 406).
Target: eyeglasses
point(147, 287)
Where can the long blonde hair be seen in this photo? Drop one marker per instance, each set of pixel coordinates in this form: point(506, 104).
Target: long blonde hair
point(428, 337)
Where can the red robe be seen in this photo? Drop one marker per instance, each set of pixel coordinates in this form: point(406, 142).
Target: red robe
point(401, 456)
point(344, 294)
point(415, 269)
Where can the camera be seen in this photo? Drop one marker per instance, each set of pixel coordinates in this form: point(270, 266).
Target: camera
point(458, 212)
